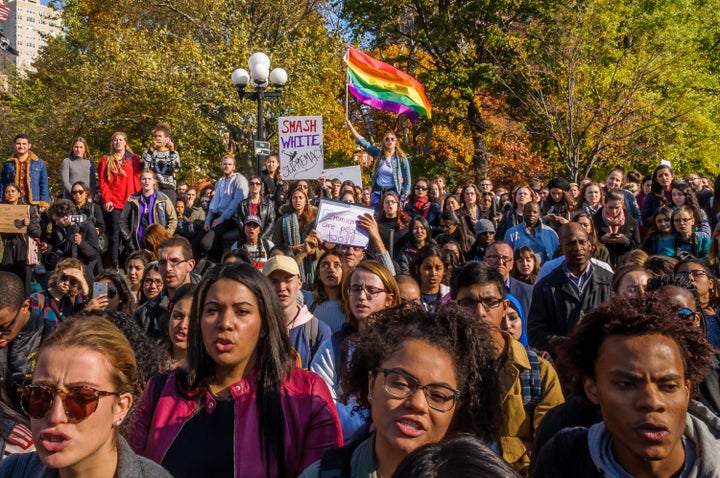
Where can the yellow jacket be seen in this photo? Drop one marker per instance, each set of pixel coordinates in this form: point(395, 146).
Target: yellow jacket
point(519, 428)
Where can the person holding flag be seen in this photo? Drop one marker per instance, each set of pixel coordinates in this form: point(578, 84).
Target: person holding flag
point(391, 171)
point(386, 88)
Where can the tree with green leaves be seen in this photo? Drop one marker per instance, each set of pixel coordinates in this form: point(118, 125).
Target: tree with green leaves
point(619, 83)
point(124, 65)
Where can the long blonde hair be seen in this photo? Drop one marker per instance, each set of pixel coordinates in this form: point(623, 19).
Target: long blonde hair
point(114, 166)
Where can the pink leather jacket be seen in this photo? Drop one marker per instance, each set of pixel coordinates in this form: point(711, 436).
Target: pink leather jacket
point(311, 422)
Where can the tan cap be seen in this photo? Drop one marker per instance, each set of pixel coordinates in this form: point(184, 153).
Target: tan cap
point(281, 263)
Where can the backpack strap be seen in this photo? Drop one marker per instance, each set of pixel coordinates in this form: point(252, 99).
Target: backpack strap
point(531, 383)
point(312, 330)
point(336, 462)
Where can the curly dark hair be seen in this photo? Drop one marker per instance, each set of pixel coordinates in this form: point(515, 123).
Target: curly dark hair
point(465, 339)
point(644, 316)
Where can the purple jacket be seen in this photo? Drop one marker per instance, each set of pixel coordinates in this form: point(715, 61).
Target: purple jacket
point(311, 422)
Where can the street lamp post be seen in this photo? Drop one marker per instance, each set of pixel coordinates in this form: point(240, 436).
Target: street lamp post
point(258, 79)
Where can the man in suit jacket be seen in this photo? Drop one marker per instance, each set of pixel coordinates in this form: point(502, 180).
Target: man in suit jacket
point(499, 255)
point(562, 297)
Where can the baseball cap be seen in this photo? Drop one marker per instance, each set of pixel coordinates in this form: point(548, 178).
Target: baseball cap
point(484, 225)
point(252, 218)
point(281, 263)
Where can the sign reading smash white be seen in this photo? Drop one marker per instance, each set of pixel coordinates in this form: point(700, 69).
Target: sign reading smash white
point(301, 146)
point(336, 222)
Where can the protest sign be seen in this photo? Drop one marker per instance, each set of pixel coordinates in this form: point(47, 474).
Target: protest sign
point(12, 218)
point(301, 146)
point(349, 172)
point(336, 222)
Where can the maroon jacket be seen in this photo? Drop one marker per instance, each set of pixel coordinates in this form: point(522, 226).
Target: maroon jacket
point(311, 422)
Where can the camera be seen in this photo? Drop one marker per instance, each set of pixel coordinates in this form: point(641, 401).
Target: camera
point(77, 219)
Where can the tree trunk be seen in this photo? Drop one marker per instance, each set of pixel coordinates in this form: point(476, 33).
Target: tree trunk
point(478, 127)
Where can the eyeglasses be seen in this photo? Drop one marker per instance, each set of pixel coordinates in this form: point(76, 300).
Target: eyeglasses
point(488, 303)
point(694, 274)
point(390, 140)
point(403, 385)
point(254, 183)
point(7, 329)
point(65, 277)
point(686, 314)
point(370, 292)
point(421, 188)
point(158, 282)
point(79, 191)
point(79, 402)
point(498, 258)
point(172, 262)
point(683, 220)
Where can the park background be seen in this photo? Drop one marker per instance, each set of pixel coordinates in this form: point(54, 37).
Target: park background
point(519, 89)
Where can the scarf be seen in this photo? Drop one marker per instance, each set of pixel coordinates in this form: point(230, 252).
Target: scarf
point(293, 237)
point(422, 205)
point(614, 223)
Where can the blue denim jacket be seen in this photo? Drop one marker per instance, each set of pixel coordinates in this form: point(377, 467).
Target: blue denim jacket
point(401, 167)
point(39, 192)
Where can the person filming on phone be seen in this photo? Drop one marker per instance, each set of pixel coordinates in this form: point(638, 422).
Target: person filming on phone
point(71, 236)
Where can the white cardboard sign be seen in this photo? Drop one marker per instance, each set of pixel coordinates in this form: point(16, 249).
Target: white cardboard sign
point(336, 222)
point(348, 172)
point(301, 146)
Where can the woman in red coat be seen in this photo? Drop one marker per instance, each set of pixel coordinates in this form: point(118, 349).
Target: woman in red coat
point(119, 177)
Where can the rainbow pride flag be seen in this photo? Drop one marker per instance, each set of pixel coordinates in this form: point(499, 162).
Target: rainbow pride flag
point(384, 87)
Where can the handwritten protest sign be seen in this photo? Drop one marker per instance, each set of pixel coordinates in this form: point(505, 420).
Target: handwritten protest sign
point(12, 218)
point(336, 222)
point(349, 172)
point(301, 146)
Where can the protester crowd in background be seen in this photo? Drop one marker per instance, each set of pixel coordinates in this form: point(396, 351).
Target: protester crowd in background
point(556, 329)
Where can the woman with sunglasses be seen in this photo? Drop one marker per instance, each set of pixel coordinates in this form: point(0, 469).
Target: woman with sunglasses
point(20, 250)
point(391, 171)
point(243, 408)
point(369, 288)
point(77, 167)
point(686, 240)
point(81, 197)
point(419, 204)
point(256, 204)
point(422, 377)
point(697, 272)
point(119, 298)
point(82, 390)
point(65, 294)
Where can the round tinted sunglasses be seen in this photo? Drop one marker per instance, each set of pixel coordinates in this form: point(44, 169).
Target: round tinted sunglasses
point(79, 402)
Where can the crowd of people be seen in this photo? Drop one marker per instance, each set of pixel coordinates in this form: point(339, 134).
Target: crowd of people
point(150, 327)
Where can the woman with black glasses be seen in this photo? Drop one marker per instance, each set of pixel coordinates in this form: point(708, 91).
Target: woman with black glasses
point(82, 390)
point(391, 171)
point(422, 377)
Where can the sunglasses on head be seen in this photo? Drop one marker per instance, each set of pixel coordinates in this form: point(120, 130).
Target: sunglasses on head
point(79, 402)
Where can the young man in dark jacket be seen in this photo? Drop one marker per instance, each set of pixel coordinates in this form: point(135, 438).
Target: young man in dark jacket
point(638, 361)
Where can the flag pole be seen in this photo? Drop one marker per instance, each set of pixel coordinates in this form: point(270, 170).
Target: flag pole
point(347, 88)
